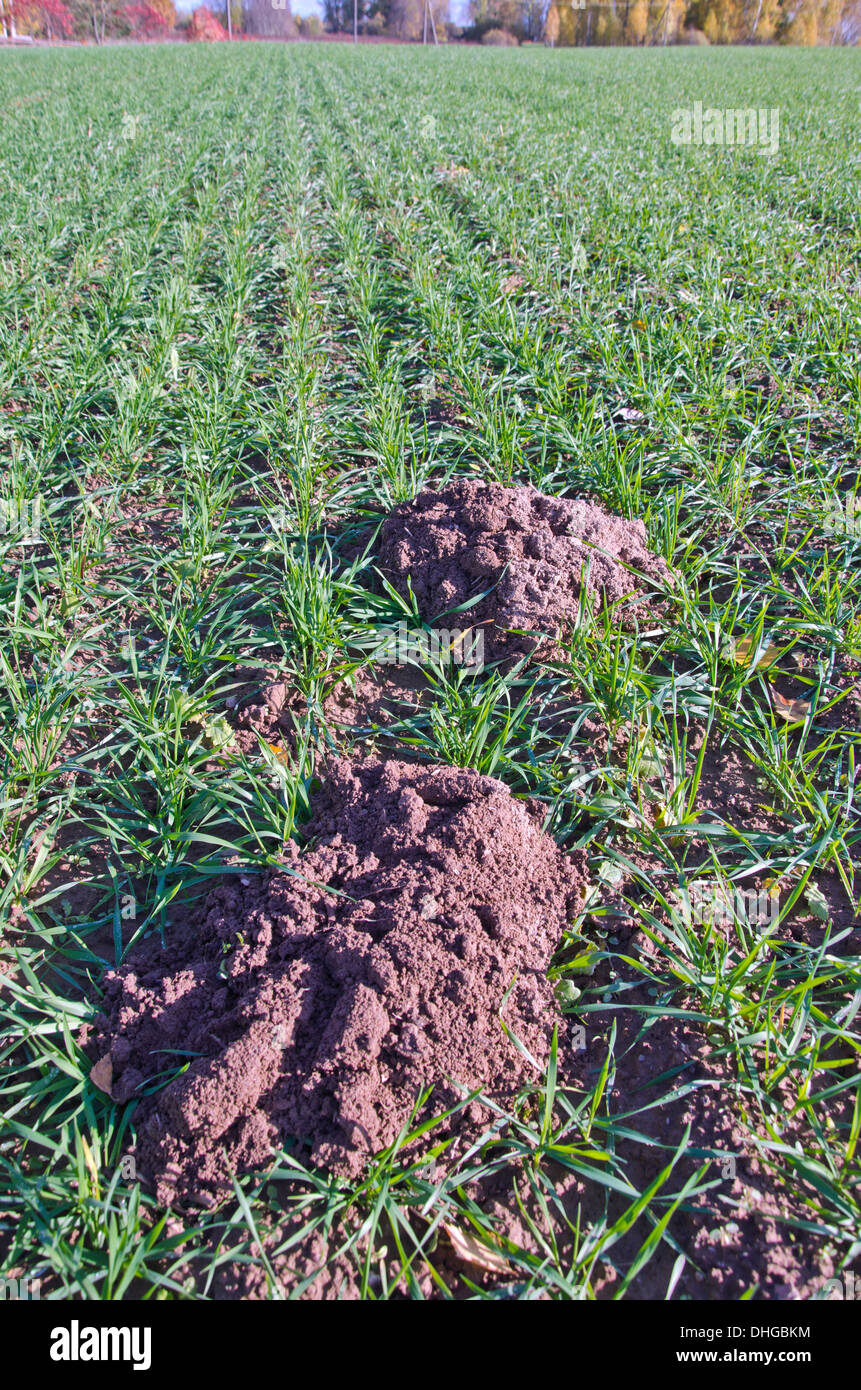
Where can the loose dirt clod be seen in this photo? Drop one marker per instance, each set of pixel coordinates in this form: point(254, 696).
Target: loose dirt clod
point(531, 549)
point(315, 1004)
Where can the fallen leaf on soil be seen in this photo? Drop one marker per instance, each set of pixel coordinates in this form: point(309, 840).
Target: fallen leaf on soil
point(817, 902)
point(217, 734)
point(102, 1074)
point(793, 711)
point(280, 753)
point(591, 894)
point(513, 282)
point(608, 872)
point(585, 963)
point(89, 1160)
point(567, 994)
point(744, 649)
point(469, 1248)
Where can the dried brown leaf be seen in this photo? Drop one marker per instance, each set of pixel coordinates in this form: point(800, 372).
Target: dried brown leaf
point(102, 1073)
point(473, 1251)
point(793, 711)
point(745, 648)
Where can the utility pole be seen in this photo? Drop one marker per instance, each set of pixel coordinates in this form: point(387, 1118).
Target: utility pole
point(429, 11)
point(229, 21)
point(355, 21)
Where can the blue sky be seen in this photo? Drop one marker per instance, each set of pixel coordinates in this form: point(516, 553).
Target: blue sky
point(305, 7)
point(297, 6)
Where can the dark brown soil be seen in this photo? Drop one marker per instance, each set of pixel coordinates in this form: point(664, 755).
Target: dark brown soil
point(531, 550)
point(672, 1089)
point(316, 1003)
point(361, 707)
point(668, 1082)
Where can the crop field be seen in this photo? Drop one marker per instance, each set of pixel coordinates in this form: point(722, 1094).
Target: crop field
point(335, 963)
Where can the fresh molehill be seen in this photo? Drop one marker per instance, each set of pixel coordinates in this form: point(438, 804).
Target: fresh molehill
point(534, 554)
point(317, 1003)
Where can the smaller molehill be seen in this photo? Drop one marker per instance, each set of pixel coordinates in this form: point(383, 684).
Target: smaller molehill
point(315, 1003)
point(535, 553)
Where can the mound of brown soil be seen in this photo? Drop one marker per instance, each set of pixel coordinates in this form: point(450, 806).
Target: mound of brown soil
point(315, 1004)
point(532, 550)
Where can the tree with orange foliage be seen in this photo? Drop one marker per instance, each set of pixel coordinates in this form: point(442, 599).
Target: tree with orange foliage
point(167, 10)
point(50, 19)
point(204, 27)
point(637, 22)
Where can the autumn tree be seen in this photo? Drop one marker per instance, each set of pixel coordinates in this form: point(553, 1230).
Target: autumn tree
point(761, 20)
point(167, 10)
point(50, 19)
point(95, 19)
point(849, 28)
point(406, 18)
point(609, 24)
point(533, 15)
point(637, 22)
point(640, 22)
point(204, 27)
point(811, 22)
point(338, 14)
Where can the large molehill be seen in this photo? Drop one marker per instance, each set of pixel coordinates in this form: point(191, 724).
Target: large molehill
point(314, 1004)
